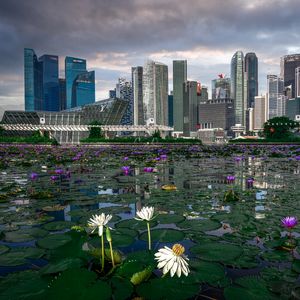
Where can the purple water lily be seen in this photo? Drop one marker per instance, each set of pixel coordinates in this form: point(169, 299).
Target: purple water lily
point(250, 182)
point(164, 156)
point(126, 170)
point(148, 169)
point(125, 158)
point(59, 171)
point(53, 177)
point(34, 176)
point(289, 222)
point(230, 178)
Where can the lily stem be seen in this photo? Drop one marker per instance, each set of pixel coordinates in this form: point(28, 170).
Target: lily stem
point(111, 254)
point(102, 253)
point(149, 235)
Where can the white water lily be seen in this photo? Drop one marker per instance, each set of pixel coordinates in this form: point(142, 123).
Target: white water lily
point(172, 260)
point(145, 214)
point(98, 221)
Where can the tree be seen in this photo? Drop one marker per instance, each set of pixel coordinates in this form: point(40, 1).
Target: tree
point(156, 134)
point(95, 132)
point(279, 128)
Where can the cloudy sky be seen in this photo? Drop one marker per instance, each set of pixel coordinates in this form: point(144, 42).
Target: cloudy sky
point(114, 35)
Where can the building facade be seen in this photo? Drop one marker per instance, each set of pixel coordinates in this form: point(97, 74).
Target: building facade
point(83, 89)
point(275, 89)
point(73, 67)
point(260, 112)
point(297, 83)
point(238, 87)
point(217, 114)
point(190, 107)
point(62, 94)
point(179, 77)
point(124, 91)
point(155, 93)
point(220, 88)
point(293, 109)
point(251, 78)
point(170, 110)
point(288, 65)
point(137, 86)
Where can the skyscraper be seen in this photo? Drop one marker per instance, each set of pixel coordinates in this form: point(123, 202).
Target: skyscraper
point(62, 93)
point(73, 67)
point(297, 83)
point(83, 89)
point(124, 91)
point(275, 86)
point(238, 87)
point(251, 77)
point(33, 81)
point(190, 105)
point(288, 65)
point(260, 112)
point(137, 86)
point(179, 77)
point(155, 93)
point(50, 82)
point(220, 88)
point(41, 84)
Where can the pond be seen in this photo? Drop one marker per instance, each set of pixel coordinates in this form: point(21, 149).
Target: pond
point(223, 204)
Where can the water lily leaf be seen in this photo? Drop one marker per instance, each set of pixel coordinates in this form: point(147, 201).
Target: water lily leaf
point(202, 225)
point(58, 225)
point(169, 219)
point(250, 288)
point(24, 235)
point(122, 288)
point(142, 276)
point(134, 224)
point(20, 286)
point(62, 265)
point(167, 288)
point(214, 251)
point(3, 249)
point(53, 241)
point(164, 235)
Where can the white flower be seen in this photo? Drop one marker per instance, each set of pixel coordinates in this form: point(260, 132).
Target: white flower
point(145, 214)
point(172, 260)
point(98, 221)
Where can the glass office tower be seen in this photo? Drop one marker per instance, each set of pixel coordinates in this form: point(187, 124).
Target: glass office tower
point(220, 88)
point(73, 67)
point(251, 76)
point(33, 81)
point(83, 89)
point(137, 87)
point(179, 77)
point(50, 82)
point(238, 87)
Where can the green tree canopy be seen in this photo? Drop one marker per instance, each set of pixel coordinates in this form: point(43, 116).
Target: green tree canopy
point(95, 132)
point(279, 127)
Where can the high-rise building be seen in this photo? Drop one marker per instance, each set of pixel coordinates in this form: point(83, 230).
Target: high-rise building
point(33, 81)
point(179, 77)
point(190, 105)
point(62, 93)
point(251, 78)
point(155, 93)
point(293, 109)
point(202, 94)
point(288, 65)
point(50, 82)
point(170, 110)
point(297, 82)
point(238, 87)
point(260, 112)
point(41, 82)
point(137, 86)
point(275, 87)
point(112, 93)
point(220, 87)
point(83, 89)
point(73, 67)
point(124, 91)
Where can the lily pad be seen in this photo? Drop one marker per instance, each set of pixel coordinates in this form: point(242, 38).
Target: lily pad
point(135, 224)
point(214, 251)
point(67, 263)
point(202, 225)
point(24, 235)
point(54, 241)
point(58, 225)
point(169, 219)
point(164, 235)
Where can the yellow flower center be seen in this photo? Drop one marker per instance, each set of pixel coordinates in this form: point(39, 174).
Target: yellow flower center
point(178, 249)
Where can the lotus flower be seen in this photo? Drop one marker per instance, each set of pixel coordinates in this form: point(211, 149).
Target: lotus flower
point(145, 214)
point(59, 171)
point(172, 260)
point(289, 222)
point(230, 178)
point(148, 169)
point(250, 182)
point(126, 170)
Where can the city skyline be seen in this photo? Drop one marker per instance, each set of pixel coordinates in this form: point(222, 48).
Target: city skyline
point(205, 34)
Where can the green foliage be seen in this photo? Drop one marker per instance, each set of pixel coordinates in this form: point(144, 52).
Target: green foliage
point(156, 135)
point(96, 132)
point(139, 277)
point(36, 138)
point(279, 128)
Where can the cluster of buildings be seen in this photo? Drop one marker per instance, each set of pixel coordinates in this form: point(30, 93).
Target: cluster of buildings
point(234, 107)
